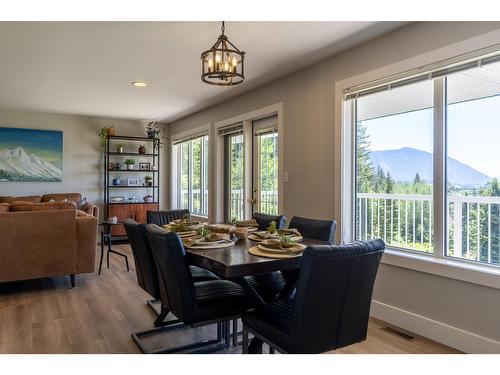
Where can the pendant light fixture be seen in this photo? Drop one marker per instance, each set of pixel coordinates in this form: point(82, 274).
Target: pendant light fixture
point(223, 64)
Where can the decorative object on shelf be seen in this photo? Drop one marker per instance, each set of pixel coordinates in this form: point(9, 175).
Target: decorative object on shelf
point(28, 155)
point(115, 166)
point(154, 167)
point(117, 199)
point(145, 166)
point(119, 148)
point(130, 163)
point(133, 181)
point(149, 180)
point(148, 198)
point(142, 149)
point(132, 200)
point(153, 129)
point(113, 219)
point(223, 64)
point(105, 132)
point(117, 181)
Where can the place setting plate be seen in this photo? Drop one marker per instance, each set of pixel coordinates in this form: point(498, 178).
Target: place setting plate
point(202, 244)
point(257, 238)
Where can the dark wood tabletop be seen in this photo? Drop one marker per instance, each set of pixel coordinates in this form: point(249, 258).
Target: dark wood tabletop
point(236, 261)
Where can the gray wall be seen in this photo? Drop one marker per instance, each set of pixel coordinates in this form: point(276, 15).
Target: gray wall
point(81, 151)
point(308, 97)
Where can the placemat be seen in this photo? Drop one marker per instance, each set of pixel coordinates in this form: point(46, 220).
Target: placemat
point(256, 251)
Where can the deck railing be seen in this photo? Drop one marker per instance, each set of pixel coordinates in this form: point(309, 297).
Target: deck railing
point(406, 221)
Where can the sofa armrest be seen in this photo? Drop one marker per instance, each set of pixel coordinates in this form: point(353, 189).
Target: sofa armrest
point(86, 242)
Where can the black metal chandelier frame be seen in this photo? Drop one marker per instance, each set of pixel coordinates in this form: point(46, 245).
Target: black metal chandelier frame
point(223, 64)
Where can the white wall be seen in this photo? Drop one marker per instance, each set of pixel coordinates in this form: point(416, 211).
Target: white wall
point(82, 153)
point(312, 154)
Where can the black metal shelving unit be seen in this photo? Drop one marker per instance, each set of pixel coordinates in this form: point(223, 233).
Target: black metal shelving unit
point(152, 156)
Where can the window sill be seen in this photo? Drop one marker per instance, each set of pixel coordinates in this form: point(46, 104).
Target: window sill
point(444, 267)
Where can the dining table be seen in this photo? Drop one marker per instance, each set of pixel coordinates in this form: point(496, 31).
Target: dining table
point(235, 262)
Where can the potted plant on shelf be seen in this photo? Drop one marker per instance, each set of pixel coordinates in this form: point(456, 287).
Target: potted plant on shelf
point(142, 149)
point(130, 163)
point(153, 129)
point(105, 132)
point(119, 148)
point(148, 198)
point(148, 180)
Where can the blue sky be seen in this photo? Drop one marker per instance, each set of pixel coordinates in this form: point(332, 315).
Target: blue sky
point(473, 133)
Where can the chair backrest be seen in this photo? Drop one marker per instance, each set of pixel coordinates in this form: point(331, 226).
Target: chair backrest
point(145, 266)
point(322, 230)
point(264, 220)
point(173, 271)
point(164, 217)
point(333, 297)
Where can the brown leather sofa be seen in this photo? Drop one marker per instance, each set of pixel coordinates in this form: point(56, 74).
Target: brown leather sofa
point(45, 239)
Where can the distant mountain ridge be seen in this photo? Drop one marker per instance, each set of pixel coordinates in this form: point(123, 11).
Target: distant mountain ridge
point(17, 165)
point(405, 162)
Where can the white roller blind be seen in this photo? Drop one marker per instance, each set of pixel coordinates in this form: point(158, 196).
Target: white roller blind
point(231, 129)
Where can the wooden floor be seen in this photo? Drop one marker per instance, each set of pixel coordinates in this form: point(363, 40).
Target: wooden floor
point(98, 316)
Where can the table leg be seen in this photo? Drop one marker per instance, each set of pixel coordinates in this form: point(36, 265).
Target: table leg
point(102, 252)
point(250, 290)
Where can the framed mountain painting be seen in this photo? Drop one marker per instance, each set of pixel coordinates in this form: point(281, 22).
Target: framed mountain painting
point(29, 155)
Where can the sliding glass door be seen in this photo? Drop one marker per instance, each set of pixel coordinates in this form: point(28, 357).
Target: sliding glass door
point(235, 176)
point(250, 168)
point(265, 167)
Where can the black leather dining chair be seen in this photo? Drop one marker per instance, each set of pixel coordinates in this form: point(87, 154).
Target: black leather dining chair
point(161, 218)
point(145, 268)
point(263, 220)
point(194, 303)
point(331, 306)
point(322, 230)
point(268, 285)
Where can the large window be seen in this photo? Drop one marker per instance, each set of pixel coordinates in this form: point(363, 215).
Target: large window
point(192, 175)
point(402, 132)
point(394, 145)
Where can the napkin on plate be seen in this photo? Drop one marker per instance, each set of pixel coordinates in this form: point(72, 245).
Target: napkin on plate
point(289, 231)
point(247, 223)
point(277, 244)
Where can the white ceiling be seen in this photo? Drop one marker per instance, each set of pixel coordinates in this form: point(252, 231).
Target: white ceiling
point(87, 67)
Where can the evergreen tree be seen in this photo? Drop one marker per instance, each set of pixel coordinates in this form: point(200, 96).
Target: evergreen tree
point(364, 165)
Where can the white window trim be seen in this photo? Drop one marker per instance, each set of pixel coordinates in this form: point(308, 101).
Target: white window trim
point(462, 270)
point(201, 131)
point(246, 119)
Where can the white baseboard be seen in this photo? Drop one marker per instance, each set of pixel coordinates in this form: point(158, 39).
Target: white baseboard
point(457, 338)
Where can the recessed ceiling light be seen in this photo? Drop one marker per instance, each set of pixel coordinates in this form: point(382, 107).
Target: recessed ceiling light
point(139, 84)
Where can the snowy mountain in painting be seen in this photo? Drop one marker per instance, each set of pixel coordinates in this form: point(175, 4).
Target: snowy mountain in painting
point(17, 165)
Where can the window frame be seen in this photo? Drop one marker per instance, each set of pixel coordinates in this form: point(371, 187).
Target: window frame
point(175, 143)
point(344, 192)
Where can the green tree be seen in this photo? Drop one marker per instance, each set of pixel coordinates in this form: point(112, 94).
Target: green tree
point(364, 165)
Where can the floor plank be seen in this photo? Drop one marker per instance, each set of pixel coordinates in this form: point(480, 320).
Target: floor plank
point(98, 316)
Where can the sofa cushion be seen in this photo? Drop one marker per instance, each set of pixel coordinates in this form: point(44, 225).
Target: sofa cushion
point(27, 198)
point(4, 207)
point(75, 197)
point(42, 206)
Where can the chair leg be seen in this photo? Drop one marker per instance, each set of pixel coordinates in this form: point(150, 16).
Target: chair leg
point(245, 341)
point(235, 332)
point(72, 278)
point(205, 346)
point(227, 333)
point(271, 350)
